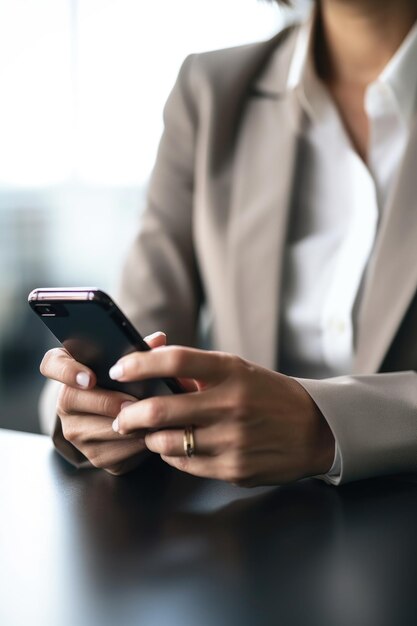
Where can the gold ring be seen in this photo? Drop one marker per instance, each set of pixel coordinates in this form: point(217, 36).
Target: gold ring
point(188, 439)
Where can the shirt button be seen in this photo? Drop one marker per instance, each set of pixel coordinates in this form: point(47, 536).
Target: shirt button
point(341, 326)
point(338, 325)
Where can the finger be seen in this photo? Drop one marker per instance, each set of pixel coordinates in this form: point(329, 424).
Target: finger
point(156, 340)
point(204, 467)
point(59, 365)
point(162, 412)
point(94, 401)
point(171, 442)
point(111, 456)
point(127, 465)
point(171, 361)
point(87, 431)
point(223, 467)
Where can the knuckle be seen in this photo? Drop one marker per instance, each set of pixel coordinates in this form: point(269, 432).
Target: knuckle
point(182, 464)
point(238, 403)
point(107, 405)
point(65, 400)
point(241, 394)
point(238, 472)
point(98, 460)
point(134, 363)
point(176, 358)
point(70, 430)
point(65, 370)
point(237, 364)
point(240, 438)
point(242, 369)
point(47, 362)
point(243, 365)
point(154, 412)
point(225, 360)
point(166, 441)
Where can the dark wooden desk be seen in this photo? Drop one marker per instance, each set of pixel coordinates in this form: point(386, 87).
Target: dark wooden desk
point(158, 548)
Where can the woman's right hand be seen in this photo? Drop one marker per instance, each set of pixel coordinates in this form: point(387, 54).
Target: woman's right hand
point(87, 412)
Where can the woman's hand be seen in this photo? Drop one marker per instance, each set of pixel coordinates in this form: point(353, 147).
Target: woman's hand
point(252, 426)
point(87, 412)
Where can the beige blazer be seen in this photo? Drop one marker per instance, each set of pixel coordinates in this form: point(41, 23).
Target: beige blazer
point(213, 235)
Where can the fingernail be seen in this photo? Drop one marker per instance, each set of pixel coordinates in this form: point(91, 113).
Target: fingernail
point(126, 404)
point(116, 371)
point(154, 335)
point(115, 425)
point(83, 379)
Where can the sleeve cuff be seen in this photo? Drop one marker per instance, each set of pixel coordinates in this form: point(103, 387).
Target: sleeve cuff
point(373, 420)
point(334, 475)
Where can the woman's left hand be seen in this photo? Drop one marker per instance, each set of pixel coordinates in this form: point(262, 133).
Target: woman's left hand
point(252, 426)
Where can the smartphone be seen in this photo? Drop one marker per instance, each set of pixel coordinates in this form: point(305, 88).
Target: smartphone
point(92, 328)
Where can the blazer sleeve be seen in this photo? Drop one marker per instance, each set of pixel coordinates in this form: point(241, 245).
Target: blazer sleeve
point(374, 421)
point(160, 287)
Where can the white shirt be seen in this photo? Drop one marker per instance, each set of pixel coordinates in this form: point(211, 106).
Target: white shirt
point(336, 206)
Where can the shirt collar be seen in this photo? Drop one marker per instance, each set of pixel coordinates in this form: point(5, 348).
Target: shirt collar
point(301, 55)
point(399, 75)
point(302, 76)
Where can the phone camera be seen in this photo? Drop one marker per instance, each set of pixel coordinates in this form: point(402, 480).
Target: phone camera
point(50, 310)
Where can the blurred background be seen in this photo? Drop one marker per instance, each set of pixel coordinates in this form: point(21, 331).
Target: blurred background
point(82, 87)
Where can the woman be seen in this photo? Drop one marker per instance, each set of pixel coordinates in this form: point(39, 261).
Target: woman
point(281, 201)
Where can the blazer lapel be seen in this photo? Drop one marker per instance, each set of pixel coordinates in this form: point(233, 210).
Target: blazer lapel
point(260, 203)
point(392, 274)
